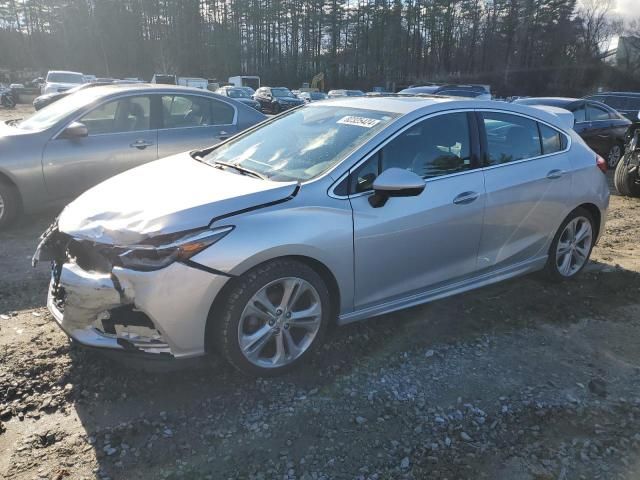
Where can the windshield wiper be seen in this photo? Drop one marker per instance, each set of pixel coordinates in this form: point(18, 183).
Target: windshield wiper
point(243, 170)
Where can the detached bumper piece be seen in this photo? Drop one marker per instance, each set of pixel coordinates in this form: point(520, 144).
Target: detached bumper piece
point(93, 310)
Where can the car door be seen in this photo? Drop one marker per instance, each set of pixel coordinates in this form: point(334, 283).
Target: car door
point(413, 244)
point(603, 129)
point(121, 135)
point(193, 121)
point(582, 124)
point(526, 174)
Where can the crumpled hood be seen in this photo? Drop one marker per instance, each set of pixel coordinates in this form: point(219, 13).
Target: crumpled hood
point(170, 195)
point(10, 131)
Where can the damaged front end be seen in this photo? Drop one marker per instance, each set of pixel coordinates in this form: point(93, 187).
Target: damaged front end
point(89, 301)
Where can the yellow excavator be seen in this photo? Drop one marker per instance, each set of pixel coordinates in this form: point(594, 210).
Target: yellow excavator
point(317, 84)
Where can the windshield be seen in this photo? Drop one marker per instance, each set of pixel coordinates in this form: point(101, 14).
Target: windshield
point(281, 92)
point(65, 78)
point(238, 93)
point(52, 114)
point(318, 137)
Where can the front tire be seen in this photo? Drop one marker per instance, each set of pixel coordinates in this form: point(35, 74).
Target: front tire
point(615, 154)
point(571, 247)
point(9, 204)
point(626, 181)
point(273, 317)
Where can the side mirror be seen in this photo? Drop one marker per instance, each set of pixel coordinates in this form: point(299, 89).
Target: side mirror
point(395, 182)
point(75, 130)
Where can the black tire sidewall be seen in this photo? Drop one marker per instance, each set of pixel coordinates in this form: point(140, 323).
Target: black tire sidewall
point(226, 321)
point(11, 204)
point(551, 268)
point(619, 178)
point(624, 181)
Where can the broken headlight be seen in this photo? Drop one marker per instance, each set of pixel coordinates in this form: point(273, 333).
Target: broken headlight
point(181, 247)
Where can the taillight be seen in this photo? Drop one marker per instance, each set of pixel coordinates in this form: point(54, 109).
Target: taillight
point(601, 163)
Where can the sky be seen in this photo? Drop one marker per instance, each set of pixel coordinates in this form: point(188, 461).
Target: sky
point(628, 7)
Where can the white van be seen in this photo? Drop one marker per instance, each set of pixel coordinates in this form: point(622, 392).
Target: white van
point(245, 81)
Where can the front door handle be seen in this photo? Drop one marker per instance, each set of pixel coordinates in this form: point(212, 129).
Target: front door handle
point(465, 197)
point(553, 174)
point(140, 144)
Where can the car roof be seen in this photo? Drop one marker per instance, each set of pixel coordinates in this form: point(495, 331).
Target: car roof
point(64, 71)
point(622, 94)
point(406, 104)
point(146, 87)
point(553, 101)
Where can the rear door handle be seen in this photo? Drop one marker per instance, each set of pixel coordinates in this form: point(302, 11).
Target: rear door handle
point(140, 144)
point(553, 174)
point(465, 198)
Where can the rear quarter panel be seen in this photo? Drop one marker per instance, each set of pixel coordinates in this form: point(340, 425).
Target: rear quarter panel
point(589, 184)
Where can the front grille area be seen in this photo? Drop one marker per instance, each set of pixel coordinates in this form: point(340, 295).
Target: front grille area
point(92, 257)
point(58, 293)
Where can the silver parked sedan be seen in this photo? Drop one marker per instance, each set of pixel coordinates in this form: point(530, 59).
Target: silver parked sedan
point(362, 207)
point(85, 138)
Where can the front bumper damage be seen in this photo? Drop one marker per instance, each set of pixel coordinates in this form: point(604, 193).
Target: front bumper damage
point(103, 305)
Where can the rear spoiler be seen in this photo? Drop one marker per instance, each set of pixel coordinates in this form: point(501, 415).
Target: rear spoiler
point(565, 116)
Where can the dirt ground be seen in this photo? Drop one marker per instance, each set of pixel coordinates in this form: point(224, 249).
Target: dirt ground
point(521, 380)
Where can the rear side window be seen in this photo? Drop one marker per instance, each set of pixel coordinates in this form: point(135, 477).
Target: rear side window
point(580, 114)
point(597, 113)
point(221, 113)
point(510, 138)
point(552, 140)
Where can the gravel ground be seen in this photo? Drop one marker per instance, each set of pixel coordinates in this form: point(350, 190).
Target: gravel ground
point(520, 380)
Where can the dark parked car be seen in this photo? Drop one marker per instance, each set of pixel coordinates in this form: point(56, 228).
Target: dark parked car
point(602, 127)
point(627, 103)
point(276, 99)
point(48, 98)
point(239, 94)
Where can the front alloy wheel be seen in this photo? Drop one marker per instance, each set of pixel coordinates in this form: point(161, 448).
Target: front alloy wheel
point(274, 315)
point(280, 322)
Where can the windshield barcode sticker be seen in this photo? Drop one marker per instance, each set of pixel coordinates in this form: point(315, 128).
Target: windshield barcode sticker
point(359, 121)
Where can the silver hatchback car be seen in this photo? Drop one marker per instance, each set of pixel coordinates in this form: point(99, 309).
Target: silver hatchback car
point(95, 133)
point(333, 212)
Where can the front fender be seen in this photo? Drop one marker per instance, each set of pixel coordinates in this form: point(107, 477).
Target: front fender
point(324, 234)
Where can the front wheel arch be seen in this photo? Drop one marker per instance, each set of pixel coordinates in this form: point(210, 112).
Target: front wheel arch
point(319, 267)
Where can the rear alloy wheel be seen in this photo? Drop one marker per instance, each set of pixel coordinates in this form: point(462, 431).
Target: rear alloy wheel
point(571, 247)
point(614, 155)
point(274, 316)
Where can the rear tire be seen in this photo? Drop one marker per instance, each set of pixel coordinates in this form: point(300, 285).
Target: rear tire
point(626, 182)
point(571, 246)
point(258, 331)
point(9, 204)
